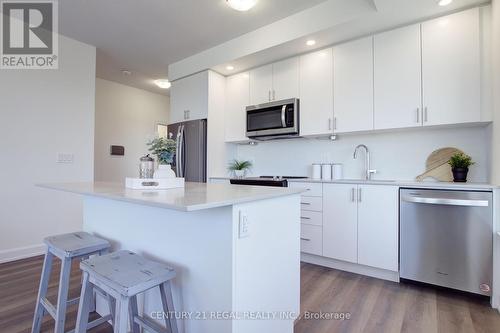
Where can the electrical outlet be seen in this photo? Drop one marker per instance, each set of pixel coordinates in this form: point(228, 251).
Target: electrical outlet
point(244, 226)
point(65, 158)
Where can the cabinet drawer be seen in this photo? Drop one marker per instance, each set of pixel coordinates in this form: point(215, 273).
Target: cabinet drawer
point(310, 217)
point(313, 189)
point(311, 203)
point(311, 239)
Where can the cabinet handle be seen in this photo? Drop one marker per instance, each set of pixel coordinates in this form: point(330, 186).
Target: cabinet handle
point(334, 123)
point(269, 95)
point(360, 196)
point(353, 197)
point(418, 115)
point(274, 95)
point(426, 118)
point(305, 203)
point(329, 124)
point(305, 239)
point(305, 218)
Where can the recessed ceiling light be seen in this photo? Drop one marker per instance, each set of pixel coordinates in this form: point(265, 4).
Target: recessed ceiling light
point(229, 67)
point(241, 5)
point(163, 83)
point(444, 2)
point(311, 42)
point(126, 72)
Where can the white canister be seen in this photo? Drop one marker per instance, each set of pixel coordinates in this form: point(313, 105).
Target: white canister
point(316, 171)
point(326, 171)
point(337, 171)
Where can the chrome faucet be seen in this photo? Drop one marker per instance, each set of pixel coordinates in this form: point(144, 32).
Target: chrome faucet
point(368, 171)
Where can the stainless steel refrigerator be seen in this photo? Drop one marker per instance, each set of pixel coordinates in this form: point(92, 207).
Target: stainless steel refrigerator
point(190, 160)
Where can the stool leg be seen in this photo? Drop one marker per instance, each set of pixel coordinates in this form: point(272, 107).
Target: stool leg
point(62, 296)
point(168, 307)
point(42, 292)
point(134, 311)
point(112, 308)
point(121, 322)
point(82, 318)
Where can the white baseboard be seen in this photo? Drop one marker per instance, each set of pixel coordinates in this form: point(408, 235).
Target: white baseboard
point(350, 267)
point(21, 253)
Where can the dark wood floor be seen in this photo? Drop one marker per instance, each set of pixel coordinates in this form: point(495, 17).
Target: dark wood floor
point(371, 305)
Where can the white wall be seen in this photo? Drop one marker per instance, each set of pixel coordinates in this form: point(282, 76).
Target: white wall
point(396, 155)
point(43, 113)
point(127, 117)
point(496, 92)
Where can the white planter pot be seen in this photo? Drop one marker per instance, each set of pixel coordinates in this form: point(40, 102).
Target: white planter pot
point(164, 171)
point(239, 173)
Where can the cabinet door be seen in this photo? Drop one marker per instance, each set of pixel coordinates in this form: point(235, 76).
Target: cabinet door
point(237, 99)
point(316, 93)
point(378, 226)
point(451, 69)
point(353, 86)
point(340, 227)
point(285, 79)
point(189, 98)
point(261, 84)
point(397, 79)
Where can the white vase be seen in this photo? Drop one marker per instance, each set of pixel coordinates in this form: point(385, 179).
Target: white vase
point(164, 171)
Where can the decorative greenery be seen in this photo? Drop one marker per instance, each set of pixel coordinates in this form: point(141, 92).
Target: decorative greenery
point(163, 148)
point(460, 160)
point(239, 165)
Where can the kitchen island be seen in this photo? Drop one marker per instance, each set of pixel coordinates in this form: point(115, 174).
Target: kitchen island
point(236, 249)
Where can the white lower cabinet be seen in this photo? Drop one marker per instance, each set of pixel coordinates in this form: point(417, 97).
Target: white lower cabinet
point(340, 228)
point(378, 208)
point(311, 239)
point(360, 224)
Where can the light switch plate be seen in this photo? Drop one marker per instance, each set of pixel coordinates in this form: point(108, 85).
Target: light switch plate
point(243, 226)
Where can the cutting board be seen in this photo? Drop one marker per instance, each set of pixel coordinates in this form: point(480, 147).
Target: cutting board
point(437, 166)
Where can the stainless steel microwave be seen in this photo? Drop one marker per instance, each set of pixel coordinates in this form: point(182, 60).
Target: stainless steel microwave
point(274, 120)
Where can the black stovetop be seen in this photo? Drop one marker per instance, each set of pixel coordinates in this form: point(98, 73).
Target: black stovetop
point(276, 181)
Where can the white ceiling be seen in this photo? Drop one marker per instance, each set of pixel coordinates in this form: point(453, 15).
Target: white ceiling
point(145, 36)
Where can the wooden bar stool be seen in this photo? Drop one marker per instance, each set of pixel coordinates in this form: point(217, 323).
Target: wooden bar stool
point(122, 276)
point(66, 247)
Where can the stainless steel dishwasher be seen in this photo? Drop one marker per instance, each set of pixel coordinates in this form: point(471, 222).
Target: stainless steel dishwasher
point(446, 238)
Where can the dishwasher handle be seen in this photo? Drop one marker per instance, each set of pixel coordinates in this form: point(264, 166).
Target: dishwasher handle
point(445, 201)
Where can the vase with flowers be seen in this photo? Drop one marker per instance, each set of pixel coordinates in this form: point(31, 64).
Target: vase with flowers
point(164, 150)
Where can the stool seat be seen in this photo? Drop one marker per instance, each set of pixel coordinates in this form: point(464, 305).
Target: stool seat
point(75, 244)
point(126, 272)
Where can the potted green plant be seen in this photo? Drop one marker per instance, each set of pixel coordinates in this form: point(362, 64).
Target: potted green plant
point(239, 168)
point(164, 149)
point(460, 164)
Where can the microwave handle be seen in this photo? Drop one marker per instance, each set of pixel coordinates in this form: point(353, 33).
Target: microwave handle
point(283, 116)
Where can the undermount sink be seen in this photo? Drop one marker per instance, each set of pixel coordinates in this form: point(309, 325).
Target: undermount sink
point(371, 180)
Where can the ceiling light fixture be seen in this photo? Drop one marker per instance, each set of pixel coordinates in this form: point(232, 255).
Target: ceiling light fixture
point(163, 83)
point(443, 3)
point(241, 5)
point(229, 67)
point(311, 42)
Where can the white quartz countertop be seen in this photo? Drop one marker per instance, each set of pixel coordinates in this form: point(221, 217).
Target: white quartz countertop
point(195, 196)
point(405, 183)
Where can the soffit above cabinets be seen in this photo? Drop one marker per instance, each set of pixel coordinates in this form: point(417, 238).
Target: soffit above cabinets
point(367, 18)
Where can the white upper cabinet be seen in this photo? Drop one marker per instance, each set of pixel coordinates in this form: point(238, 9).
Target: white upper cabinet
point(378, 236)
point(261, 84)
point(353, 86)
point(340, 225)
point(397, 79)
point(189, 98)
point(285, 79)
point(237, 99)
point(451, 69)
point(316, 93)
point(275, 82)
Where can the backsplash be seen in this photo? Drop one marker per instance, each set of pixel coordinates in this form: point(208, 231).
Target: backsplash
point(395, 155)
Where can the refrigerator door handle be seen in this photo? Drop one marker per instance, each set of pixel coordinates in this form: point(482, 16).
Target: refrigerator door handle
point(181, 152)
point(177, 151)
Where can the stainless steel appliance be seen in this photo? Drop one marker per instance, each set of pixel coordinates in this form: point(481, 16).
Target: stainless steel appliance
point(275, 120)
point(446, 238)
point(276, 181)
point(190, 160)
